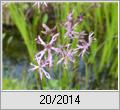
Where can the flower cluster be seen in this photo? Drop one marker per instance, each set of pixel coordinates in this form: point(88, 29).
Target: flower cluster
point(66, 53)
point(71, 24)
point(84, 45)
point(48, 49)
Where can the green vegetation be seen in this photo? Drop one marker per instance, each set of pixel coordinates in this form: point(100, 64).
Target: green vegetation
point(97, 71)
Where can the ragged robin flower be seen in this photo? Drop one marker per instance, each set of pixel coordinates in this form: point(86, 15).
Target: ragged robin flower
point(84, 45)
point(70, 24)
point(41, 68)
point(67, 55)
point(48, 48)
point(49, 31)
point(44, 57)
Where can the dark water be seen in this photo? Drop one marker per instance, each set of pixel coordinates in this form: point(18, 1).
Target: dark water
point(13, 68)
point(15, 56)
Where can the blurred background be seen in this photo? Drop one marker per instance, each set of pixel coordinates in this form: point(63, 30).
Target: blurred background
point(22, 22)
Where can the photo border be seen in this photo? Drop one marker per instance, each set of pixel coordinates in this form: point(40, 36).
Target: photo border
point(1, 64)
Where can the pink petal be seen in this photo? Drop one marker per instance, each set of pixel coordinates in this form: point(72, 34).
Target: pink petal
point(70, 16)
point(41, 41)
point(39, 55)
point(37, 4)
point(46, 74)
point(54, 38)
point(80, 47)
point(44, 32)
point(34, 67)
point(57, 50)
point(46, 27)
point(45, 3)
point(45, 63)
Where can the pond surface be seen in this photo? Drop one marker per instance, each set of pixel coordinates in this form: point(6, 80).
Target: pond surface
point(15, 56)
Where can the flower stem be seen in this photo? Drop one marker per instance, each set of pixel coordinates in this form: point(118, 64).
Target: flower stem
point(41, 87)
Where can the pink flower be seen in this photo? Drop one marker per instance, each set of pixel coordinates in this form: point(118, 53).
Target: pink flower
point(41, 69)
point(48, 31)
point(67, 55)
point(48, 47)
point(70, 24)
point(84, 45)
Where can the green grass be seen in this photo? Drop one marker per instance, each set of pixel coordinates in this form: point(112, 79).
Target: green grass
point(102, 61)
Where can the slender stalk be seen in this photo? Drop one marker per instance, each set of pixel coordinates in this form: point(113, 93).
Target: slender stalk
point(41, 87)
point(86, 76)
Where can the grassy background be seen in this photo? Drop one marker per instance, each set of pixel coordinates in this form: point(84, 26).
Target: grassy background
point(98, 70)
